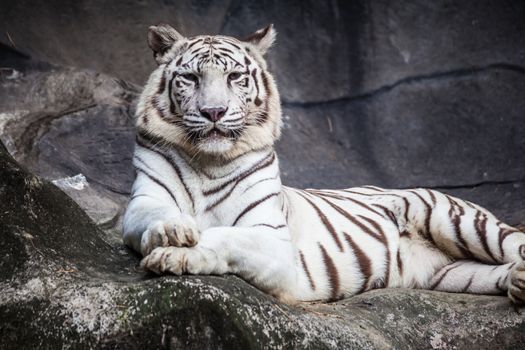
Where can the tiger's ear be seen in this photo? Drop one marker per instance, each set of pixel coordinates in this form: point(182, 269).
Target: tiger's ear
point(160, 39)
point(262, 39)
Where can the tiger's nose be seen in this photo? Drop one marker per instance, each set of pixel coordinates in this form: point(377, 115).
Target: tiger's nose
point(213, 114)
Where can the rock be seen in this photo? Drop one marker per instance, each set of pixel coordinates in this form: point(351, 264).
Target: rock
point(63, 123)
point(325, 51)
point(458, 133)
point(65, 284)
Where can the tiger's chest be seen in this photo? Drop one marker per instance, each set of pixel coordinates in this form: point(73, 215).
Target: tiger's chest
point(218, 196)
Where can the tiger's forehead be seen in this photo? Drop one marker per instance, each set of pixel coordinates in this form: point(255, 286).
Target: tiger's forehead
point(213, 52)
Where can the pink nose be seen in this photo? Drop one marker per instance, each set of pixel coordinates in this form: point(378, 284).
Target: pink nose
point(213, 114)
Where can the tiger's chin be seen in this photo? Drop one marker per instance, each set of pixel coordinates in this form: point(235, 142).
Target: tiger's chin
point(215, 143)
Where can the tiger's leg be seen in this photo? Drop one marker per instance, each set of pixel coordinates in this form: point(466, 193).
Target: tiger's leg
point(262, 256)
point(466, 276)
point(461, 229)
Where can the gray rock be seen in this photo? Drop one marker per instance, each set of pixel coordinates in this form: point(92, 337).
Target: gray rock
point(63, 123)
point(65, 284)
point(459, 133)
point(325, 50)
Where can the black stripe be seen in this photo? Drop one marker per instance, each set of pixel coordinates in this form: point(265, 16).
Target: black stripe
point(498, 285)
point(428, 216)
point(354, 220)
point(327, 224)
point(465, 289)
point(266, 84)
point(399, 262)
point(157, 181)
point(231, 58)
point(307, 272)
point(152, 139)
point(480, 224)
point(428, 211)
point(229, 41)
point(224, 49)
point(365, 264)
point(407, 203)
point(361, 204)
point(224, 162)
point(389, 214)
point(456, 222)
point(502, 235)
point(333, 275)
point(359, 193)
point(160, 111)
point(162, 84)
point(170, 94)
point(236, 180)
point(432, 196)
point(383, 239)
point(380, 235)
point(259, 181)
point(193, 43)
point(137, 195)
point(252, 205)
point(262, 163)
point(270, 226)
point(407, 207)
point(375, 188)
point(436, 284)
point(173, 164)
point(257, 100)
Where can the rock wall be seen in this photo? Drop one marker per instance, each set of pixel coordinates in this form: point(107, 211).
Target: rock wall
point(396, 94)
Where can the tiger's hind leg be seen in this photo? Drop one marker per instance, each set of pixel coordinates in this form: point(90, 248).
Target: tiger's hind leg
point(466, 276)
point(461, 229)
point(491, 254)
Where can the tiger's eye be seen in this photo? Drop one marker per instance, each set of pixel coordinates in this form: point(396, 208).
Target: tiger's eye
point(234, 76)
point(190, 77)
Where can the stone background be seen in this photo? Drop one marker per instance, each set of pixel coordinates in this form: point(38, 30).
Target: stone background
point(396, 94)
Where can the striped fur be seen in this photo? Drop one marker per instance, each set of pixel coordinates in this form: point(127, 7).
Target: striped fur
point(208, 198)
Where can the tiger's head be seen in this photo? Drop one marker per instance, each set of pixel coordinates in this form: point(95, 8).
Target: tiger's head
point(210, 95)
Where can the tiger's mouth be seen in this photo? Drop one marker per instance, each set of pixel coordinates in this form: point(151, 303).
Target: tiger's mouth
point(214, 133)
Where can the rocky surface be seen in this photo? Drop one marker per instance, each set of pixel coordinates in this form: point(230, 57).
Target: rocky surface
point(325, 50)
point(73, 127)
point(66, 284)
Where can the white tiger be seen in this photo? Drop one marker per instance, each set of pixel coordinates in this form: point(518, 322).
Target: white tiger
point(208, 198)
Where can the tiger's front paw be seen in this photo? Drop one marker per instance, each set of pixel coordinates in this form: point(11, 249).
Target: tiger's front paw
point(182, 260)
point(179, 232)
point(517, 284)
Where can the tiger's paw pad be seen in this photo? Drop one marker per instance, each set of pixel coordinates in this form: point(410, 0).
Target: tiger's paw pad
point(178, 232)
point(517, 284)
point(179, 261)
